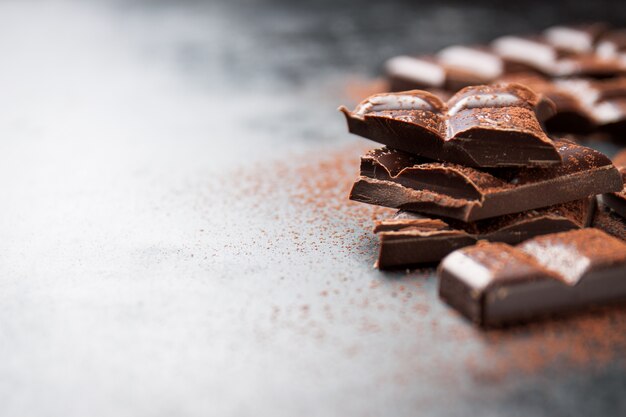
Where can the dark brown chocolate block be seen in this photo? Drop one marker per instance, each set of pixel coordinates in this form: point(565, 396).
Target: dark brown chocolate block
point(411, 239)
point(400, 180)
point(617, 201)
point(484, 126)
point(495, 284)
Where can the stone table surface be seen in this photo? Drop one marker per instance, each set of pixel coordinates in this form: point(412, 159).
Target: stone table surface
point(175, 234)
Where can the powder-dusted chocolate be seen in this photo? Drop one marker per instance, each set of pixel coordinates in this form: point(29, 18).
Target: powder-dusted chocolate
point(582, 105)
point(483, 126)
point(495, 284)
point(411, 239)
point(617, 201)
point(572, 113)
point(400, 180)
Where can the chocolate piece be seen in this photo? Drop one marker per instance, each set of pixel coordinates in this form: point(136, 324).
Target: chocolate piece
point(495, 284)
point(539, 55)
point(608, 221)
point(410, 239)
point(617, 201)
point(613, 45)
point(604, 101)
point(451, 69)
point(485, 126)
point(575, 39)
point(400, 180)
point(571, 115)
point(408, 73)
point(582, 105)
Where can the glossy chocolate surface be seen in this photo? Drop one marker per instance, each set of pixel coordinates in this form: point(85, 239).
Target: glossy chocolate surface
point(483, 126)
point(495, 283)
point(397, 179)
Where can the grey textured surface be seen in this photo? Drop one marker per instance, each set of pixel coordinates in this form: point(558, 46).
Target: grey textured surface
point(157, 256)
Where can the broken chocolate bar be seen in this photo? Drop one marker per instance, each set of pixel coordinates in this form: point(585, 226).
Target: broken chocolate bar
point(549, 56)
point(451, 69)
point(617, 201)
point(560, 51)
point(411, 239)
point(582, 105)
point(484, 126)
point(495, 284)
point(575, 39)
point(400, 180)
point(571, 115)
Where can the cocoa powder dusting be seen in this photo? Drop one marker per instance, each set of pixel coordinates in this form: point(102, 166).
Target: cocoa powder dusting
point(316, 188)
point(589, 340)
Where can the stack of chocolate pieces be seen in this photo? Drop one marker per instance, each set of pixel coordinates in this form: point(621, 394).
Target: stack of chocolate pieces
point(581, 68)
point(476, 167)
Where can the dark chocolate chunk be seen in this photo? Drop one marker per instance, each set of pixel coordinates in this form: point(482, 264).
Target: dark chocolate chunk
point(571, 115)
point(617, 201)
point(451, 69)
point(484, 126)
point(582, 105)
point(538, 54)
point(496, 284)
point(575, 39)
point(400, 180)
point(411, 239)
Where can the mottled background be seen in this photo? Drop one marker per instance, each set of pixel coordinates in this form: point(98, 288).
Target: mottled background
point(175, 237)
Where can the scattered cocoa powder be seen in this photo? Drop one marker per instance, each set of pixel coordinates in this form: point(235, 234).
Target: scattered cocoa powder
point(316, 187)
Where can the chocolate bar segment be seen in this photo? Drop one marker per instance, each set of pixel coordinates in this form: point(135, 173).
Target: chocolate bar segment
point(617, 201)
point(571, 112)
point(495, 284)
point(538, 54)
point(412, 239)
point(451, 69)
point(582, 105)
point(400, 180)
point(575, 39)
point(484, 126)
